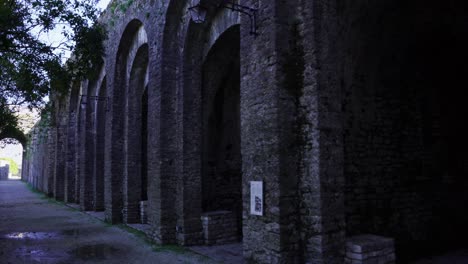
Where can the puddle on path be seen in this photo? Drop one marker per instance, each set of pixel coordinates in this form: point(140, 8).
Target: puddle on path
point(94, 252)
point(32, 235)
point(45, 235)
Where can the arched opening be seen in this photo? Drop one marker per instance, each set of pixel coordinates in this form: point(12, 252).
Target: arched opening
point(91, 103)
point(207, 73)
point(136, 129)
point(221, 156)
point(119, 196)
point(101, 108)
point(11, 159)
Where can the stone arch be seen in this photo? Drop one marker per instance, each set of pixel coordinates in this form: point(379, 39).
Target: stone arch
point(132, 38)
point(198, 42)
point(14, 133)
point(220, 114)
point(133, 174)
point(88, 141)
point(221, 22)
point(14, 143)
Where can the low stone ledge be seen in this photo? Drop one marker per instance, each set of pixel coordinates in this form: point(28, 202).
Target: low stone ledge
point(219, 227)
point(370, 249)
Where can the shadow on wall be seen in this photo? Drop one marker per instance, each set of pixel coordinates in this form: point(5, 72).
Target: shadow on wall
point(405, 139)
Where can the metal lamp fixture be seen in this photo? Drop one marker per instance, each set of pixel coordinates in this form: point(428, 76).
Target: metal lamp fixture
point(105, 99)
point(198, 12)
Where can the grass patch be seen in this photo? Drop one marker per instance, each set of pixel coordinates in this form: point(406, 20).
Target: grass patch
point(155, 247)
point(106, 222)
point(172, 248)
point(43, 196)
point(135, 232)
point(71, 208)
point(33, 190)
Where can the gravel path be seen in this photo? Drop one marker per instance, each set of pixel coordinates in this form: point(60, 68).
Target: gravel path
point(34, 229)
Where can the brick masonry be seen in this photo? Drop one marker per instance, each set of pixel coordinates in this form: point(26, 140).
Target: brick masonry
point(335, 106)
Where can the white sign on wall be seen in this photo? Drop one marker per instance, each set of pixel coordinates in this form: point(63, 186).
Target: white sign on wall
point(256, 198)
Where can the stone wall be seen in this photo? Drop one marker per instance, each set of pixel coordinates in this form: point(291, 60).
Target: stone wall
point(37, 170)
point(335, 106)
point(393, 140)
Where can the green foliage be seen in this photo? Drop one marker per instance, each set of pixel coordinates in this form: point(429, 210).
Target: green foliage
point(7, 117)
point(155, 247)
point(9, 129)
point(13, 165)
point(31, 69)
point(43, 196)
point(120, 5)
point(34, 190)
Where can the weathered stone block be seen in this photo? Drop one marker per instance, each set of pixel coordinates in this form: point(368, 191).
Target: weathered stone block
point(219, 227)
point(367, 249)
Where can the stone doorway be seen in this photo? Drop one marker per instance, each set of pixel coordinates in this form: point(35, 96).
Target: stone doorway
point(221, 156)
point(136, 133)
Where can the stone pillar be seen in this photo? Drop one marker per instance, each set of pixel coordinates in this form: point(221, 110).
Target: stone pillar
point(292, 135)
point(259, 137)
point(322, 179)
point(70, 156)
point(114, 140)
point(24, 164)
point(162, 123)
point(86, 152)
point(59, 153)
